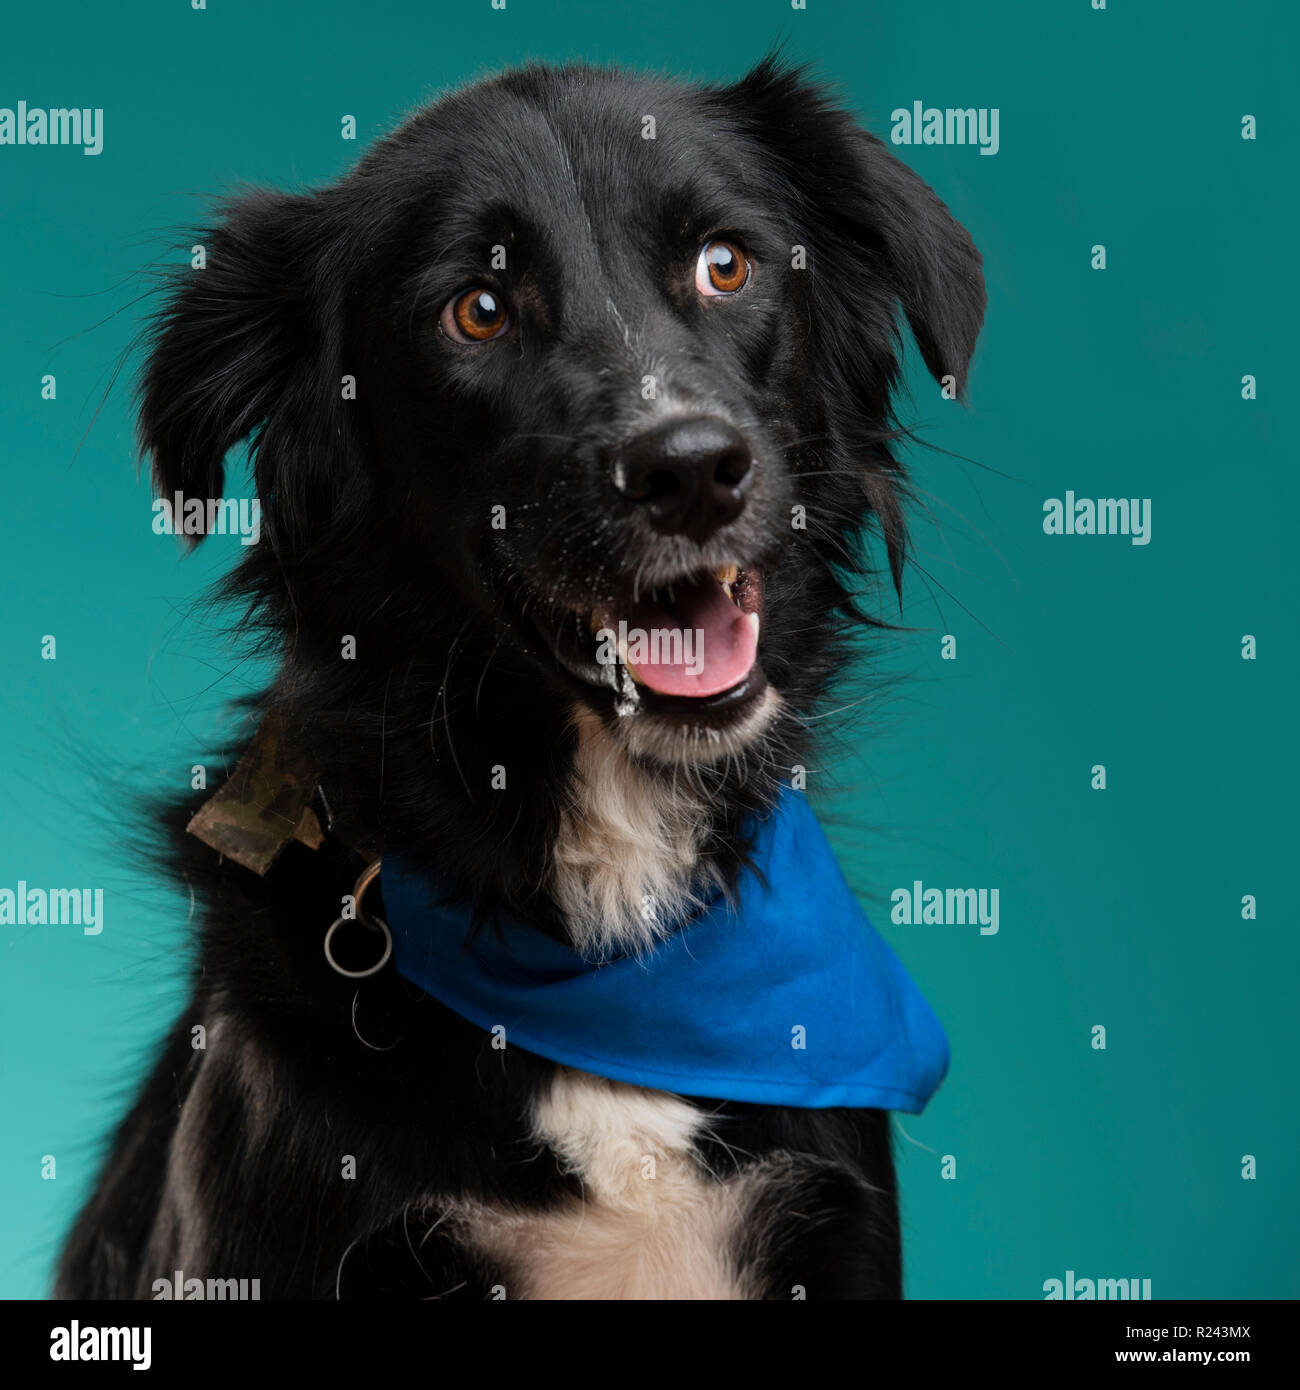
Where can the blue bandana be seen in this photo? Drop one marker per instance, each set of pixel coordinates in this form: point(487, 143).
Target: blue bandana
point(790, 999)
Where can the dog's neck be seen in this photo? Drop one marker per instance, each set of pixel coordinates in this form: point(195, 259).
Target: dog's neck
point(626, 863)
point(623, 849)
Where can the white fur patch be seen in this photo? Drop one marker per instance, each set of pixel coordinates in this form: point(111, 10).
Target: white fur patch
point(628, 846)
point(611, 1135)
point(649, 1225)
point(701, 746)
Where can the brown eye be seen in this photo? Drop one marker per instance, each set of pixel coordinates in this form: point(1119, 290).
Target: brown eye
point(476, 316)
point(722, 268)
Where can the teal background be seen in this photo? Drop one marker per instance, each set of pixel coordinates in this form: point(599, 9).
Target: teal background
point(1119, 907)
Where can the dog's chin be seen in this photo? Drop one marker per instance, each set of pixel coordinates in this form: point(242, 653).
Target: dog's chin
point(694, 738)
point(683, 712)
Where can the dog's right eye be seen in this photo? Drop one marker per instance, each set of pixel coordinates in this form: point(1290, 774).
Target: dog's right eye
point(474, 316)
point(722, 269)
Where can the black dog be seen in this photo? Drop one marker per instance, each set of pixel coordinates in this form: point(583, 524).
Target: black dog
point(571, 348)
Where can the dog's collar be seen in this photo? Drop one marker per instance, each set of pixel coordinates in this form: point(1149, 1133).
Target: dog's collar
point(792, 998)
point(273, 798)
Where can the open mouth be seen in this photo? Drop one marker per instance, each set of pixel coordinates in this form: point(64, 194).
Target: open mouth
point(689, 647)
point(693, 640)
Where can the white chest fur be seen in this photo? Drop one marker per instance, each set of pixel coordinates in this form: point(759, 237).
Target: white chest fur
point(650, 1223)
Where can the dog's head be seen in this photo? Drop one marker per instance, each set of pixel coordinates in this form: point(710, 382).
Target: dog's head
point(582, 374)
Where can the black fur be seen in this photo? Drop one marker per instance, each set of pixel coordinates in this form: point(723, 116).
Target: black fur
point(376, 525)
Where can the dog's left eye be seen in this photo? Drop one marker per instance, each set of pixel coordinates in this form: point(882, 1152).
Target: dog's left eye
point(722, 268)
point(475, 316)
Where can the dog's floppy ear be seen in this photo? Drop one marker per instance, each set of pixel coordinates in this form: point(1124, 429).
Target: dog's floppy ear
point(938, 273)
point(880, 225)
point(238, 348)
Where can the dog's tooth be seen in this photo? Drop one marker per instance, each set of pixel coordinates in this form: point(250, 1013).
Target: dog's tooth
point(726, 574)
point(753, 620)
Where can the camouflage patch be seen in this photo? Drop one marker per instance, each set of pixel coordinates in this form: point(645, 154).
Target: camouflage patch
point(263, 806)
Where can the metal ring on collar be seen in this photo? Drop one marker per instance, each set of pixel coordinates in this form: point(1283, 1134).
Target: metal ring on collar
point(368, 876)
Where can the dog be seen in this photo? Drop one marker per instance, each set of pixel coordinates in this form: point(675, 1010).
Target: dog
point(573, 356)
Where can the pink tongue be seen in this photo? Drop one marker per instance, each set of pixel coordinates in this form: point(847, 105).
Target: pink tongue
point(702, 646)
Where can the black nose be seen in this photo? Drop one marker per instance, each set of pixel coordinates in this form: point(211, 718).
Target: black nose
point(689, 475)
